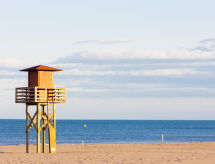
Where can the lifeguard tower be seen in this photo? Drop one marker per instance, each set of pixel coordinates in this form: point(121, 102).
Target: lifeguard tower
point(42, 94)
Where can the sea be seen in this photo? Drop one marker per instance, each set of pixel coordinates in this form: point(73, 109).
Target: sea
point(12, 131)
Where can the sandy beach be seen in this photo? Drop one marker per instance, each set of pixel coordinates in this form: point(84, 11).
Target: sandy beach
point(170, 153)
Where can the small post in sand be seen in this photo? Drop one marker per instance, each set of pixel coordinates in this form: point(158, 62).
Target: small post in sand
point(162, 138)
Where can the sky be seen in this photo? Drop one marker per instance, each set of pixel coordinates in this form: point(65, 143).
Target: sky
point(122, 59)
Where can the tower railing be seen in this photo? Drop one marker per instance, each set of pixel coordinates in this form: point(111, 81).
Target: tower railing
point(40, 95)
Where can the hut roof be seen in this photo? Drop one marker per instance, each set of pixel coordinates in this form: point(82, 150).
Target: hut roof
point(41, 68)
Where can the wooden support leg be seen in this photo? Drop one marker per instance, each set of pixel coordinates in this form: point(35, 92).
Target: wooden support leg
point(38, 127)
point(43, 129)
point(27, 128)
point(52, 130)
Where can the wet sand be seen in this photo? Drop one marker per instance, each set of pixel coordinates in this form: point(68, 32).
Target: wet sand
point(167, 153)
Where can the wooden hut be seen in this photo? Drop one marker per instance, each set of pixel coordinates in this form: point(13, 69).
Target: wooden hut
point(42, 94)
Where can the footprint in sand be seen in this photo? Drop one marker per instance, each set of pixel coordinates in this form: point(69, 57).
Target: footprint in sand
point(178, 160)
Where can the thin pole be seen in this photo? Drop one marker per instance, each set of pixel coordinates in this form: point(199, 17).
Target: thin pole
point(26, 128)
point(162, 139)
point(38, 127)
point(43, 129)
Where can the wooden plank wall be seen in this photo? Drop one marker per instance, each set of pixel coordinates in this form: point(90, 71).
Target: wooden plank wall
point(46, 79)
point(32, 78)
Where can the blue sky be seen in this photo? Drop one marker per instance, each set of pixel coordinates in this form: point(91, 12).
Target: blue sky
point(121, 59)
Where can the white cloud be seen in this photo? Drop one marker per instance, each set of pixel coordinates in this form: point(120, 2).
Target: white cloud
point(86, 90)
point(156, 64)
point(7, 73)
point(174, 72)
point(150, 72)
point(10, 63)
point(12, 83)
point(207, 45)
point(131, 55)
point(14, 63)
point(128, 87)
point(133, 78)
point(208, 40)
point(104, 42)
point(139, 108)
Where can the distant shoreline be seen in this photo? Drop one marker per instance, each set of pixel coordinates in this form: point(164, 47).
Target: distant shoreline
point(114, 143)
